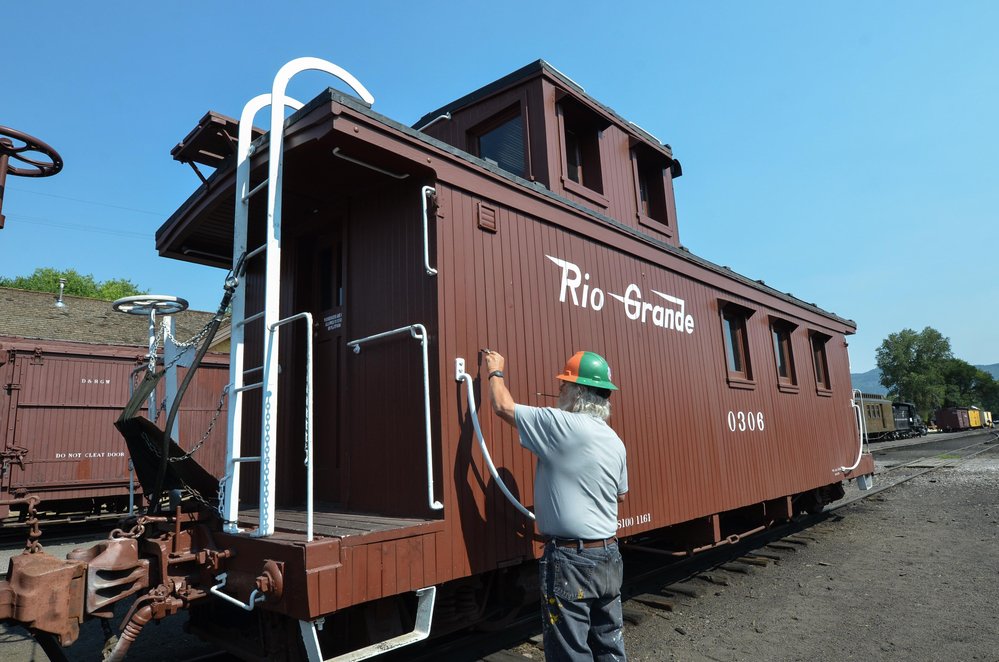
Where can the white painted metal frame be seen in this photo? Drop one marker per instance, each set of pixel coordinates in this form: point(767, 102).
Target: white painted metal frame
point(461, 376)
point(861, 432)
point(419, 332)
point(307, 316)
point(424, 617)
point(229, 507)
point(278, 101)
point(255, 596)
point(425, 192)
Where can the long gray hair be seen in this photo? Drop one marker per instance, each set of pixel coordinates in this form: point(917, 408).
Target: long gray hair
point(582, 400)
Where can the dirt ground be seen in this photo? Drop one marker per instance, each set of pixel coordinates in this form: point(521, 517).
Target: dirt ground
point(910, 574)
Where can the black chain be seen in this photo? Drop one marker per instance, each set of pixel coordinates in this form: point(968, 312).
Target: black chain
point(211, 425)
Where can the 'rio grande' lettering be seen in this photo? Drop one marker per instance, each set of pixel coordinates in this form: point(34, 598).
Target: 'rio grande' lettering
point(576, 288)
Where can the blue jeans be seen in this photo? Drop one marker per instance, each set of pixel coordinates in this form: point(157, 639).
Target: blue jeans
point(581, 603)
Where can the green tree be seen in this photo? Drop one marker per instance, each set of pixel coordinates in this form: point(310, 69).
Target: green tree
point(46, 279)
point(968, 386)
point(912, 366)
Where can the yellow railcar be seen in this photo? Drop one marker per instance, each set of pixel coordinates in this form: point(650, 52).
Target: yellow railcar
point(974, 418)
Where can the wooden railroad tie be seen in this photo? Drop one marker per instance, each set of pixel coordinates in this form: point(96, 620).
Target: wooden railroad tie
point(757, 554)
point(783, 546)
point(714, 579)
point(505, 656)
point(654, 601)
point(633, 616)
point(753, 560)
point(689, 591)
point(740, 568)
point(794, 540)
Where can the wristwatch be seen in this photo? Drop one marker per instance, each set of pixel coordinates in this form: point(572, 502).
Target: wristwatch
point(496, 373)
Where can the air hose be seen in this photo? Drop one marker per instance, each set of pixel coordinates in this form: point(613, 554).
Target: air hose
point(463, 376)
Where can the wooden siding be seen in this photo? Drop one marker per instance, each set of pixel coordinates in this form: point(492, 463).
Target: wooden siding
point(63, 407)
point(672, 411)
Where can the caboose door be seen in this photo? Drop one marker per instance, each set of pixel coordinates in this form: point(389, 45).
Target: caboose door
point(320, 289)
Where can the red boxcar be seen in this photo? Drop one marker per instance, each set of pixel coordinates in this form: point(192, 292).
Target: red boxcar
point(57, 411)
point(952, 418)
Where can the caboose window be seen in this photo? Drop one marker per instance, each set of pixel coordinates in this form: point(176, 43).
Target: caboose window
point(780, 331)
point(819, 361)
point(580, 132)
point(649, 169)
point(501, 141)
point(736, 343)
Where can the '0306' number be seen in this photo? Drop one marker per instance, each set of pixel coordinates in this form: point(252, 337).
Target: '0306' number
point(740, 421)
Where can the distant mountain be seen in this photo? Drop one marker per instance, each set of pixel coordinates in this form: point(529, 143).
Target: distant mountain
point(870, 381)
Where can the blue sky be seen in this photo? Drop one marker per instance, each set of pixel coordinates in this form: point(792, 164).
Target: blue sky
point(844, 152)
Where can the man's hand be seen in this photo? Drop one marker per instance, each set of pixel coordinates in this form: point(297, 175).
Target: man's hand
point(493, 360)
point(503, 403)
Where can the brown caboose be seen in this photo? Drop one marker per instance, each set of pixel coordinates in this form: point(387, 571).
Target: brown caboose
point(376, 260)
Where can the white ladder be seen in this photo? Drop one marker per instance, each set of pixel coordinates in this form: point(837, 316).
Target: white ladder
point(266, 376)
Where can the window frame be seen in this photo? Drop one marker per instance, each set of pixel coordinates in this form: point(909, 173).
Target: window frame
point(644, 159)
point(729, 310)
point(779, 326)
point(493, 122)
point(820, 369)
point(587, 127)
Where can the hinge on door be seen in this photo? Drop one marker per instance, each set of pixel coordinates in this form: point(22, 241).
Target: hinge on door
point(37, 358)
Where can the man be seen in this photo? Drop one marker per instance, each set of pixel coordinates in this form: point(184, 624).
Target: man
point(581, 478)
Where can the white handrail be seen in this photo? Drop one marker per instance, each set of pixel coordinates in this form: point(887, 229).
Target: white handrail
point(255, 597)
point(462, 376)
point(307, 316)
point(229, 508)
point(426, 191)
point(419, 332)
point(857, 411)
point(272, 280)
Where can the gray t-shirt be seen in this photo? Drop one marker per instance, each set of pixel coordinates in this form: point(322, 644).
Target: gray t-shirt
point(581, 471)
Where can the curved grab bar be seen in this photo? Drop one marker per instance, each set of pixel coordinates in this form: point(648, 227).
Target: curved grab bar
point(424, 193)
point(462, 376)
point(255, 597)
point(418, 332)
point(858, 412)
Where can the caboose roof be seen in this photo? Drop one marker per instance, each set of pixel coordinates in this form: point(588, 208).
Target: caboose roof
point(538, 69)
point(206, 217)
point(33, 315)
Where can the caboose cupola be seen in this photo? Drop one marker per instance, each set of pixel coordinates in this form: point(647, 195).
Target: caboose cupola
point(540, 125)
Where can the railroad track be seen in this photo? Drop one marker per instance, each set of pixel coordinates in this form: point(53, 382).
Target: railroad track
point(651, 587)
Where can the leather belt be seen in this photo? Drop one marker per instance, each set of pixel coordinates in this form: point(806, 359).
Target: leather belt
point(576, 543)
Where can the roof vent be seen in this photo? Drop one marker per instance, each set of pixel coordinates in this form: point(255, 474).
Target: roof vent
point(62, 286)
